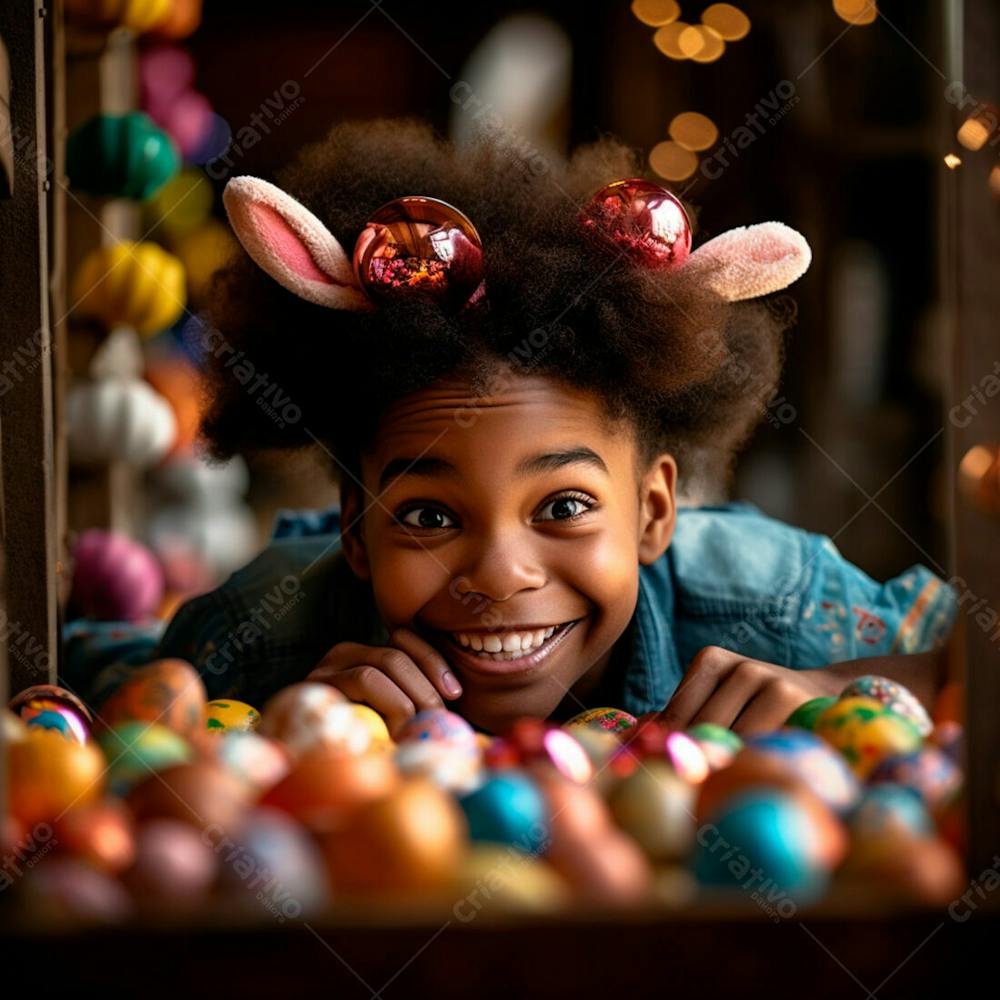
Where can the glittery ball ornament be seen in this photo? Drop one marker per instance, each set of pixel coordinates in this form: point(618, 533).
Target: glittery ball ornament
point(644, 220)
point(420, 246)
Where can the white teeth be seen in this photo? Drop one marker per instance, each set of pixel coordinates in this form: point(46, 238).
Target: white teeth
point(505, 645)
point(475, 641)
point(492, 644)
point(463, 638)
point(512, 642)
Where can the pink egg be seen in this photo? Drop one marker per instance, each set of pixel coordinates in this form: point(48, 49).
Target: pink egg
point(114, 578)
point(165, 71)
point(175, 864)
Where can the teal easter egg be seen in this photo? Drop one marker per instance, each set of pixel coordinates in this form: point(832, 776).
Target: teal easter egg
point(763, 843)
point(508, 808)
point(824, 772)
point(805, 716)
point(894, 696)
point(120, 156)
point(889, 809)
point(135, 750)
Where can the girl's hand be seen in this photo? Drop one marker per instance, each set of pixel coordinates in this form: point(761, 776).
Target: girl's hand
point(748, 696)
point(397, 681)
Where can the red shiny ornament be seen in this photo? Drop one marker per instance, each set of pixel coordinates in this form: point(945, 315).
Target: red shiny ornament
point(652, 739)
point(422, 246)
point(530, 741)
point(644, 220)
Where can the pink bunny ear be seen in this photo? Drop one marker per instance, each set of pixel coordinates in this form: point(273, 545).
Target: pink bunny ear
point(291, 244)
point(751, 261)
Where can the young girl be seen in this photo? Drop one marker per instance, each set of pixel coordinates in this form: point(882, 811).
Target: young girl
point(513, 428)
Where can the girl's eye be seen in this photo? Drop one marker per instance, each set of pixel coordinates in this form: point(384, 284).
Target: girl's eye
point(564, 509)
point(426, 517)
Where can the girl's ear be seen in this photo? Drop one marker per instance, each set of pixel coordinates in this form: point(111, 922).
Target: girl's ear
point(352, 539)
point(657, 508)
point(751, 261)
point(291, 244)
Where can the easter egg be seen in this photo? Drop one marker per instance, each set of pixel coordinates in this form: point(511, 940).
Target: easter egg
point(611, 720)
point(950, 738)
point(805, 716)
point(720, 745)
point(307, 715)
point(175, 866)
point(410, 840)
point(769, 844)
point(814, 762)
point(180, 206)
point(749, 771)
point(137, 15)
point(490, 876)
point(50, 693)
point(100, 833)
point(894, 697)
point(65, 890)
point(135, 750)
point(253, 758)
point(530, 741)
point(866, 732)
point(929, 772)
point(114, 578)
point(326, 786)
point(507, 808)
point(656, 807)
point(450, 766)
point(375, 724)
point(59, 715)
point(655, 740)
point(274, 868)
point(889, 809)
point(201, 793)
point(224, 715)
point(167, 692)
point(48, 774)
point(439, 725)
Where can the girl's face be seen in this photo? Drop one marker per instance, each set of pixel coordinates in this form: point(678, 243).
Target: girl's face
point(507, 530)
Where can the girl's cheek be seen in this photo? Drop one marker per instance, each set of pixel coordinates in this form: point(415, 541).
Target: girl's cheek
point(405, 581)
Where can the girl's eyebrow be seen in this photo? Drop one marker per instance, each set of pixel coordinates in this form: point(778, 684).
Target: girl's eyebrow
point(550, 461)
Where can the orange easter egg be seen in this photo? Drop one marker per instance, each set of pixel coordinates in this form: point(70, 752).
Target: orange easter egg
point(749, 769)
point(100, 832)
point(168, 692)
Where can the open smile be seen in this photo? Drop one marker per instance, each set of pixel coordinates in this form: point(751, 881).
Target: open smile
point(508, 652)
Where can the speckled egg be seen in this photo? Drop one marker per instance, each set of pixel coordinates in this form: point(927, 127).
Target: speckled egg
point(225, 715)
point(255, 759)
point(307, 715)
point(611, 720)
point(894, 696)
point(451, 767)
point(720, 745)
point(507, 808)
point(820, 768)
point(437, 725)
point(135, 750)
point(930, 772)
point(866, 732)
point(890, 809)
point(805, 716)
point(168, 692)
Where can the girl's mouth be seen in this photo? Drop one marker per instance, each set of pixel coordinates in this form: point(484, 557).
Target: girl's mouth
point(508, 652)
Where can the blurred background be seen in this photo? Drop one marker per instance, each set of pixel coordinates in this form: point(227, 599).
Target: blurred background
point(829, 116)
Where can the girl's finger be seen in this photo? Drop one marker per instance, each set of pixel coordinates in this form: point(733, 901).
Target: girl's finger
point(401, 668)
point(768, 710)
point(732, 696)
point(706, 672)
point(369, 685)
point(430, 661)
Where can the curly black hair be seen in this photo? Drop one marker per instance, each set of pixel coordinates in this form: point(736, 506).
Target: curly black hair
point(689, 372)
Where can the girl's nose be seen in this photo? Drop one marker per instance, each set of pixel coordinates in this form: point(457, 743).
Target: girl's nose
point(501, 568)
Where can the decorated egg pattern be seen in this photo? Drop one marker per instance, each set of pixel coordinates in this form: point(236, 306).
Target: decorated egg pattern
point(612, 720)
point(894, 696)
point(224, 715)
point(866, 732)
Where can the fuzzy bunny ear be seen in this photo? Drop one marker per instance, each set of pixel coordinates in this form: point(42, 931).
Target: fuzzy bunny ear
point(751, 261)
point(291, 244)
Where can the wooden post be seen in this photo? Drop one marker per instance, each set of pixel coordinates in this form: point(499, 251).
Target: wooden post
point(30, 631)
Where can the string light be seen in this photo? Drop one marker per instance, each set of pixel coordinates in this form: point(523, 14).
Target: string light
point(693, 131)
point(727, 21)
point(666, 39)
point(656, 12)
point(856, 12)
point(951, 161)
point(672, 161)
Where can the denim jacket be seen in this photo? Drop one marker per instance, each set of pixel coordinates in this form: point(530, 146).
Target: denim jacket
point(732, 576)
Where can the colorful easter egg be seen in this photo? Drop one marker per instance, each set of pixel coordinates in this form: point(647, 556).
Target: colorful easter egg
point(498, 877)
point(410, 840)
point(451, 767)
point(114, 577)
point(949, 737)
point(100, 833)
point(894, 696)
point(135, 750)
point(507, 808)
point(889, 809)
point(168, 692)
point(720, 745)
point(272, 842)
point(175, 866)
point(61, 716)
point(805, 716)
point(308, 714)
point(814, 762)
point(656, 740)
point(866, 732)
point(131, 284)
point(257, 760)
point(375, 724)
point(48, 774)
point(203, 252)
point(137, 15)
point(598, 744)
point(612, 720)
point(437, 724)
point(531, 741)
point(769, 844)
point(224, 715)
point(180, 206)
point(120, 156)
point(655, 806)
point(749, 771)
point(53, 693)
point(930, 772)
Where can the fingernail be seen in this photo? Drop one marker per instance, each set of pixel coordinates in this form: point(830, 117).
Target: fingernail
point(450, 684)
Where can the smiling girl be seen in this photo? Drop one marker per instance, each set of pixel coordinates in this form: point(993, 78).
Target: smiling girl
point(519, 432)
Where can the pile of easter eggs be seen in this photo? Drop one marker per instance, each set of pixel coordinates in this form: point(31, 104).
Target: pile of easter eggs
point(159, 801)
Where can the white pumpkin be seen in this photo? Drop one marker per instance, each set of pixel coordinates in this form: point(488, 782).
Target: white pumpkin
point(118, 419)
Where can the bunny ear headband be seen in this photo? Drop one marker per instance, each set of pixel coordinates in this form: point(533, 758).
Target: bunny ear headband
point(425, 246)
